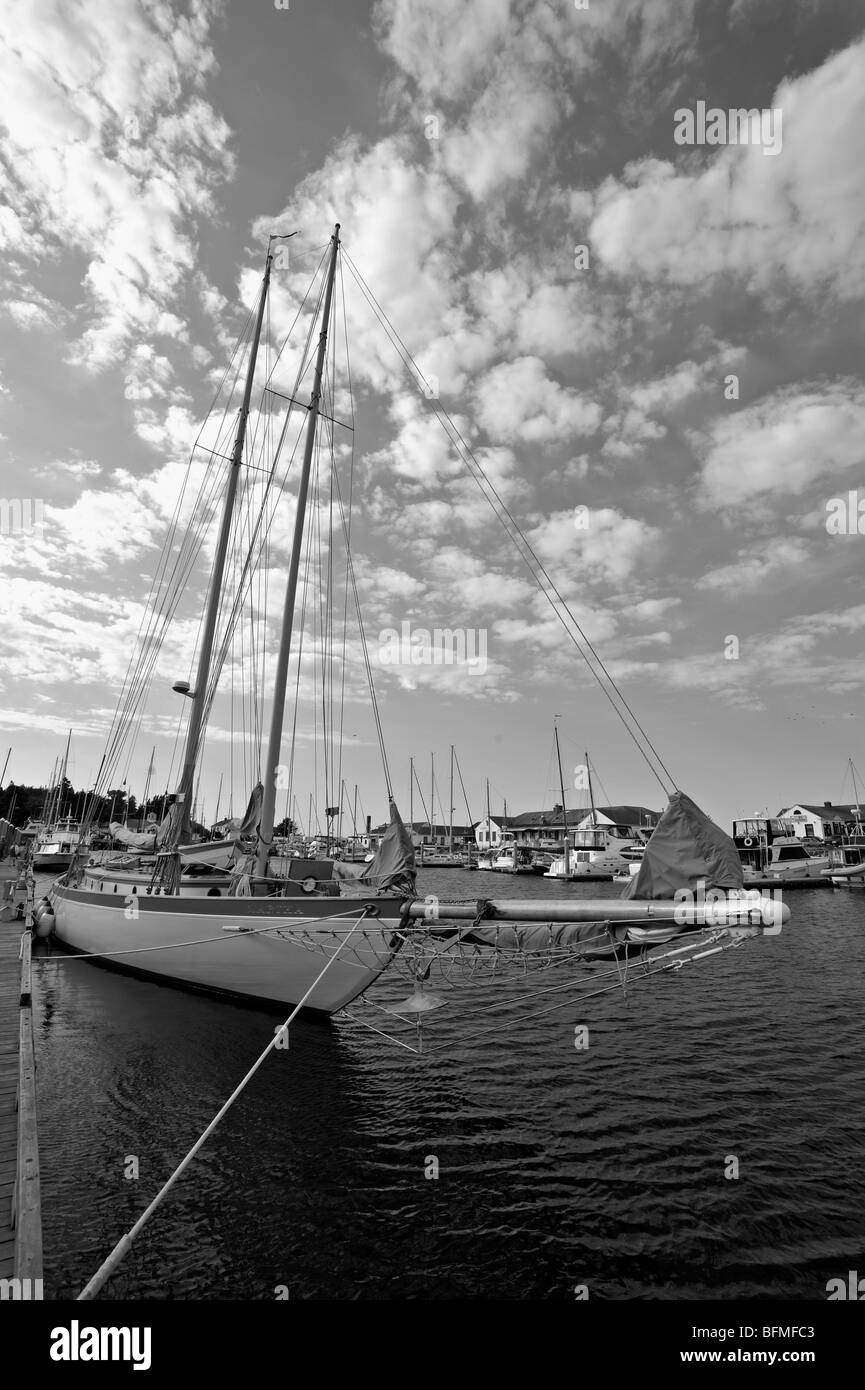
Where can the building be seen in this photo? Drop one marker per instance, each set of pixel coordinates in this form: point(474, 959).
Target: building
point(826, 822)
point(544, 829)
point(436, 836)
point(488, 832)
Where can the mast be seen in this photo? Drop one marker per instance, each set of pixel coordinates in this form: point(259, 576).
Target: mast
point(58, 809)
point(451, 821)
point(5, 765)
point(411, 797)
point(567, 861)
point(198, 696)
point(489, 823)
point(141, 818)
point(218, 799)
point(855, 797)
point(591, 793)
point(265, 831)
point(432, 801)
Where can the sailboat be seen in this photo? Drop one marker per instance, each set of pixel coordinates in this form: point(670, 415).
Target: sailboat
point(230, 918)
point(57, 839)
point(599, 851)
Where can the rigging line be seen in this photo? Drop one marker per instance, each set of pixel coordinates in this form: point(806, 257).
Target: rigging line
point(251, 557)
point(321, 619)
point(125, 1243)
point(301, 635)
point(592, 994)
point(351, 1018)
point(330, 575)
point(364, 647)
point(422, 802)
point(162, 567)
point(186, 556)
point(482, 481)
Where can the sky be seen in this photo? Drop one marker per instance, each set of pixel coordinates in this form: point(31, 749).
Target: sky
point(653, 347)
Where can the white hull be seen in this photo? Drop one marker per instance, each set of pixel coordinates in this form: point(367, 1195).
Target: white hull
point(266, 967)
point(48, 863)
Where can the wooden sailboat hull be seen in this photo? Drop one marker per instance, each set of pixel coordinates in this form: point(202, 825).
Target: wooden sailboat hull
point(183, 942)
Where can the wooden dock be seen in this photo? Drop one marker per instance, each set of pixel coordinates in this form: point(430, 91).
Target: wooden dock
point(20, 1207)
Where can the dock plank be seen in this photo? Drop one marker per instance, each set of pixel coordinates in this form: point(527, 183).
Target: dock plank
point(21, 1230)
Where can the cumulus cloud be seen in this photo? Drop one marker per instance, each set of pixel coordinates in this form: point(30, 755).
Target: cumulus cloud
point(784, 444)
point(797, 218)
point(111, 152)
point(518, 401)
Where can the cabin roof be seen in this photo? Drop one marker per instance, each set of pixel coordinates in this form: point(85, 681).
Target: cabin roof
point(823, 811)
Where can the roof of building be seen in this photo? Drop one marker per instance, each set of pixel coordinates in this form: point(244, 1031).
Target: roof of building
point(825, 812)
point(618, 815)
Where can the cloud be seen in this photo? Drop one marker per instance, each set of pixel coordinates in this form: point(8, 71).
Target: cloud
point(784, 444)
point(796, 218)
point(518, 401)
point(759, 565)
point(445, 47)
point(111, 153)
point(607, 549)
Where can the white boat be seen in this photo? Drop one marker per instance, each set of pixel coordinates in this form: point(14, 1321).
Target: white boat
point(786, 858)
point(846, 867)
point(599, 852)
point(303, 932)
point(54, 849)
point(316, 939)
point(513, 859)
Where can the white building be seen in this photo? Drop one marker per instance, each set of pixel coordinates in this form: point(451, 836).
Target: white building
point(488, 833)
point(824, 822)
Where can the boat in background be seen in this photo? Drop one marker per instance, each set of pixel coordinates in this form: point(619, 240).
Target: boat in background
point(771, 852)
point(513, 858)
point(54, 849)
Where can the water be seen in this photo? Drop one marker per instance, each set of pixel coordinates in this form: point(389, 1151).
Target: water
point(556, 1167)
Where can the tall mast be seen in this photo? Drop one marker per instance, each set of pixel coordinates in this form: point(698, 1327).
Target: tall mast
point(58, 809)
point(141, 818)
point(489, 822)
point(567, 860)
point(591, 793)
point(432, 800)
point(275, 740)
point(5, 765)
point(451, 821)
point(411, 797)
point(202, 677)
point(856, 798)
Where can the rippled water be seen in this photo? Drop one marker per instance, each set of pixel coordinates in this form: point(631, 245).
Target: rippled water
point(556, 1167)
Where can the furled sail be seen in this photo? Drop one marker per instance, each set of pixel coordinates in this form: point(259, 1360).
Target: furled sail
point(394, 864)
point(686, 848)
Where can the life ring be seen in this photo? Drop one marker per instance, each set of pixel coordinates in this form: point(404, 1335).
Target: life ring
point(309, 885)
point(747, 840)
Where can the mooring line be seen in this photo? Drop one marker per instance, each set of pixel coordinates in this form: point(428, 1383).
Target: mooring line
point(125, 1243)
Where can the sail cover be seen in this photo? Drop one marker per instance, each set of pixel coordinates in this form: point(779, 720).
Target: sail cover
point(394, 864)
point(686, 848)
